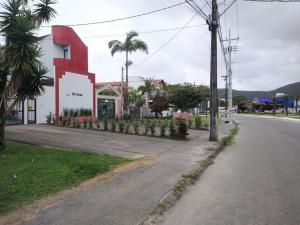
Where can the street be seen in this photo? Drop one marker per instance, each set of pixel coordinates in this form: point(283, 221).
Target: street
point(254, 181)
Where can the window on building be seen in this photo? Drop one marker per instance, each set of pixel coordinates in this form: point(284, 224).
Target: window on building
point(66, 52)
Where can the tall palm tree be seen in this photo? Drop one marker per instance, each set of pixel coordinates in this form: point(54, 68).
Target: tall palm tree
point(131, 44)
point(21, 72)
point(146, 90)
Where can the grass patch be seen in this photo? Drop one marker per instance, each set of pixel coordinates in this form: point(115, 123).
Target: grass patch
point(29, 172)
point(189, 179)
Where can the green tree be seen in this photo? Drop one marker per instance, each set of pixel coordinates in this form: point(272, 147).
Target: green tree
point(238, 99)
point(185, 97)
point(22, 75)
point(159, 104)
point(136, 99)
point(146, 90)
point(131, 44)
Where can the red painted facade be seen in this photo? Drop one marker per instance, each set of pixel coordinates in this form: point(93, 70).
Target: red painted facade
point(77, 62)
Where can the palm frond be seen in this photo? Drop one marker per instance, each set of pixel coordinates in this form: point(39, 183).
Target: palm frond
point(116, 46)
point(130, 35)
point(138, 45)
point(11, 9)
point(44, 12)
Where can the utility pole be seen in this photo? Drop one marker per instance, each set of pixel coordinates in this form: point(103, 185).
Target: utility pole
point(228, 51)
point(229, 75)
point(213, 27)
point(226, 95)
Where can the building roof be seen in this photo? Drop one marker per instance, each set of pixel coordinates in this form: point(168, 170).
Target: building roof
point(118, 83)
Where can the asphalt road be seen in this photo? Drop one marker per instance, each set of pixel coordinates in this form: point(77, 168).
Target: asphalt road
point(255, 181)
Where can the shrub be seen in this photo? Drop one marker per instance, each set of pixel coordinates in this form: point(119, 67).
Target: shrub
point(163, 129)
point(76, 112)
point(126, 117)
point(121, 126)
point(81, 111)
point(85, 124)
point(113, 126)
point(190, 123)
point(53, 119)
point(98, 125)
point(198, 122)
point(66, 112)
point(136, 127)
point(182, 129)
point(105, 124)
point(127, 128)
point(49, 118)
point(71, 112)
point(152, 127)
point(91, 123)
point(147, 127)
point(68, 121)
point(172, 131)
point(78, 125)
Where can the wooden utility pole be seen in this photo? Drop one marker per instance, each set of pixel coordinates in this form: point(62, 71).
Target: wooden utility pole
point(226, 95)
point(213, 27)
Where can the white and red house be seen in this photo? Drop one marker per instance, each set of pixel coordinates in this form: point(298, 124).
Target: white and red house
point(66, 57)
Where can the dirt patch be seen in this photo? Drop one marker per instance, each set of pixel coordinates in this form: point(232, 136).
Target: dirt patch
point(28, 212)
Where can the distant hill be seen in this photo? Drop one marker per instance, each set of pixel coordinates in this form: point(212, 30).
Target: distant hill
point(290, 89)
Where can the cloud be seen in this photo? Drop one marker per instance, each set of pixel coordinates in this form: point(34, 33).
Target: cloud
point(268, 54)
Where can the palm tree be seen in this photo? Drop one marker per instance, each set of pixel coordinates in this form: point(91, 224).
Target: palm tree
point(136, 99)
point(147, 89)
point(21, 72)
point(131, 44)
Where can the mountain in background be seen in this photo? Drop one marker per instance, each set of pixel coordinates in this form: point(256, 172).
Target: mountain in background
point(290, 89)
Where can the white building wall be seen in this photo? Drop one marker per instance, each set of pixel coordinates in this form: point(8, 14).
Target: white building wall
point(45, 104)
point(75, 91)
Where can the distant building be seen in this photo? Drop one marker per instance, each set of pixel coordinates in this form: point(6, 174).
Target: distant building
point(109, 95)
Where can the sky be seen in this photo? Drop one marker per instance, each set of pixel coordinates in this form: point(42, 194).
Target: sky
point(268, 52)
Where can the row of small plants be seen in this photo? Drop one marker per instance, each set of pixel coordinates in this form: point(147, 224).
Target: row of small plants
point(175, 129)
point(69, 115)
point(76, 112)
point(198, 124)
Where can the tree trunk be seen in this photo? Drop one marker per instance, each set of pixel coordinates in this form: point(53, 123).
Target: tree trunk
point(147, 104)
point(126, 88)
point(2, 128)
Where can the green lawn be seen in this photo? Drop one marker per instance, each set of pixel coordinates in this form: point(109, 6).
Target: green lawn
point(29, 172)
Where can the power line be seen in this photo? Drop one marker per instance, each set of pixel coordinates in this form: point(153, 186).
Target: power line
point(142, 32)
point(128, 17)
point(197, 9)
point(167, 43)
point(228, 7)
point(185, 48)
point(237, 19)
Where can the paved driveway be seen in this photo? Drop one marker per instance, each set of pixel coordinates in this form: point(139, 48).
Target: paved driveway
point(130, 146)
point(125, 199)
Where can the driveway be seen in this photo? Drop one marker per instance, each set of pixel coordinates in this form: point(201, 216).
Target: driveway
point(255, 181)
point(129, 146)
point(125, 199)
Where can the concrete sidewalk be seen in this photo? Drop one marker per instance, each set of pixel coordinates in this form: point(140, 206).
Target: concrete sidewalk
point(125, 199)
